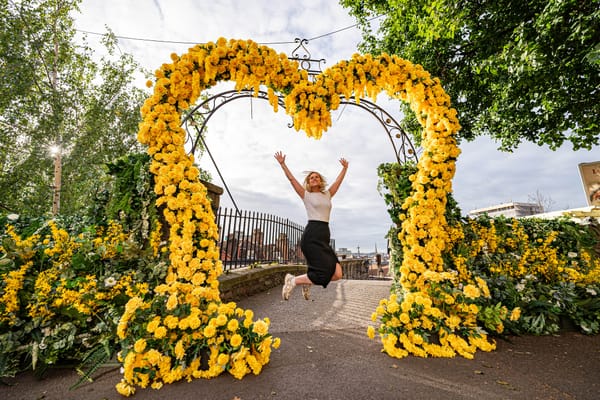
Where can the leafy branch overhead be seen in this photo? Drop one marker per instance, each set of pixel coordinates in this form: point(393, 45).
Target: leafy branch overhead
point(515, 70)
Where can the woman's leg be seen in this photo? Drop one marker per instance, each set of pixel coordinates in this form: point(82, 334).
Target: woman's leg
point(337, 275)
point(290, 283)
point(306, 283)
point(302, 280)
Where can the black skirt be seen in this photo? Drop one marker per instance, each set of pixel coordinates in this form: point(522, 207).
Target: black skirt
point(320, 257)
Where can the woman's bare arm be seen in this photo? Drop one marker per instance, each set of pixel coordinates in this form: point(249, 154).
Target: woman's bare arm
point(280, 157)
point(338, 181)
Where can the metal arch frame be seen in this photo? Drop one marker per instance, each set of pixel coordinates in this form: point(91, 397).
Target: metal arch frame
point(207, 108)
point(404, 151)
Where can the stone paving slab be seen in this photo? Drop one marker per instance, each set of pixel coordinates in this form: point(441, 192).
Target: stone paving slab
point(345, 304)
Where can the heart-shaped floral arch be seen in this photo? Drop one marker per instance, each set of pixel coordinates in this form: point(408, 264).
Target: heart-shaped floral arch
point(184, 331)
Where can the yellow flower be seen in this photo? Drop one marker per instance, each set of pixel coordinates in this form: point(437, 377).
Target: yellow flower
point(160, 332)
point(152, 325)
point(276, 343)
point(156, 385)
point(453, 321)
point(233, 325)
point(171, 321)
point(260, 328)
point(404, 318)
point(370, 332)
point(140, 345)
point(223, 359)
point(172, 302)
point(124, 388)
point(179, 350)
point(515, 314)
point(209, 331)
point(393, 307)
point(471, 291)
point(153, 356)
point(236, 340)
point(221, 320)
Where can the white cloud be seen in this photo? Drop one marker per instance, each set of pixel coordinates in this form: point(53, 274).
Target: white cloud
point(244, 134)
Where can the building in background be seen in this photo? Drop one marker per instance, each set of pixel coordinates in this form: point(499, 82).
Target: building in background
point(509, 210)
point(344, 252)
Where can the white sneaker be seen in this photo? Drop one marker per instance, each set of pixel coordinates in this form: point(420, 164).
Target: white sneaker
point(306, 292)
point(288, 286)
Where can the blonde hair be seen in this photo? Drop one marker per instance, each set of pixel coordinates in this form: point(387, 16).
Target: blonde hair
point(323, 181)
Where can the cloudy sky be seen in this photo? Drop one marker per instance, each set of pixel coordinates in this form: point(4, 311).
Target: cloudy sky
point(244, 135)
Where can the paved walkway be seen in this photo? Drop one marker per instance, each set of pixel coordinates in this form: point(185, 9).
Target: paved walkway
point(325, 354)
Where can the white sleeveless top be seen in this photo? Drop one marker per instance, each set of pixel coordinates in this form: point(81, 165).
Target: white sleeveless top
point(318, 205)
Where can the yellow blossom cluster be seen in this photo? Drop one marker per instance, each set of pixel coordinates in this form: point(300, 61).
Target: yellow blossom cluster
point(61, 246)
point(12, 281)
point(60, 249)
point(592, 274)
point(57, 288)
point(107, 243)
point(432, 317)
point(440, 321)
point(24, 247)
point(9, 300)
point(519, 255)
point(163, 337)
point(216, 340)
point(155, 239)
point(77, 298)
point(124, 285)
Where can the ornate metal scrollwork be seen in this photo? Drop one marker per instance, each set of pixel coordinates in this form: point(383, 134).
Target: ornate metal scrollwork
point(302, 55)
point(401, 143)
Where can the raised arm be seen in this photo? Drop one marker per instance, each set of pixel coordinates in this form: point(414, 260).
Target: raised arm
point(280, 157)
point(338, 181)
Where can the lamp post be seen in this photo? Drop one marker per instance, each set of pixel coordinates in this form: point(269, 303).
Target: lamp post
point(56, 153)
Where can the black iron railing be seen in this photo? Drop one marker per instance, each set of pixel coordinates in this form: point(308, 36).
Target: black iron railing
point(250, 237)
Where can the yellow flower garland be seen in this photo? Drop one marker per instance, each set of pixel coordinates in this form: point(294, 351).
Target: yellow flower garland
point(191, 286)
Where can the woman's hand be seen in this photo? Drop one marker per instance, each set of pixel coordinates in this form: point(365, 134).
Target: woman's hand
point(344, 162)
point(280, 157)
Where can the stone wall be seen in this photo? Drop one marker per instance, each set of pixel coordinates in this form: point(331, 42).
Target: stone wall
point(357, 268)
point(240, 283)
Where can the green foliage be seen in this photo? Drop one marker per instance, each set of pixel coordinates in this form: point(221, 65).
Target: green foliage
point(395, 186)
point(542, 282)
point(491, 316)
point(53, 93)
point(516, 71)
point(93, 360)
point(129, 196)
point(549, 285)
point(105, 264)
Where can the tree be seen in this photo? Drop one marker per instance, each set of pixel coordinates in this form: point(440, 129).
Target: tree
point(545, 202)
point(53, 94)
point(516, 70)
